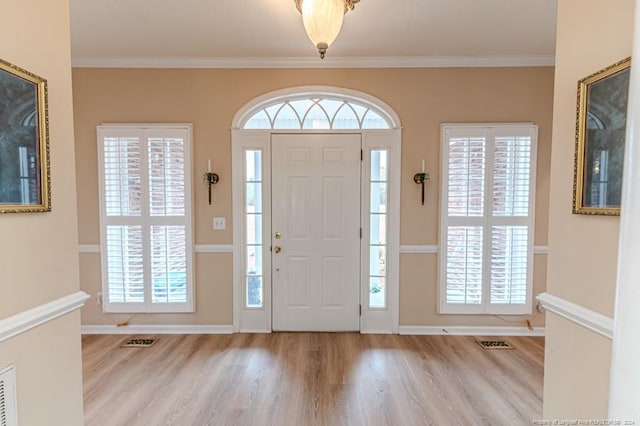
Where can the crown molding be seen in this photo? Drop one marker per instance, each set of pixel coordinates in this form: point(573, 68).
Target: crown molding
point(304, 62)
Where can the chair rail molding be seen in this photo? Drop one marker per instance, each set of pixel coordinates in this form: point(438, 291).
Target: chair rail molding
point(580, 315)
point(34, 317)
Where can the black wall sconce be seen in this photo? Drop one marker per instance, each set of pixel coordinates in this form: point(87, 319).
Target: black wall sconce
point(210, 178)
point(420, 178)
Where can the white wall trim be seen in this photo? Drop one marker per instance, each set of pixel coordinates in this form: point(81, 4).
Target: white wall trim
point(540, 249)
point(426, 249)
point(469, 331)
point(433, 249)
point(25, 321)
point(313, 62)
point(199, 248)
point(157, 329)
point(578, 314)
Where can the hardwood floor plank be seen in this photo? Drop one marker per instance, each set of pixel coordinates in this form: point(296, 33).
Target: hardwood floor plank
point(311, 379)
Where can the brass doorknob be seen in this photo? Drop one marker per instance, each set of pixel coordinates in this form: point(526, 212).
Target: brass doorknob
point(277, 249)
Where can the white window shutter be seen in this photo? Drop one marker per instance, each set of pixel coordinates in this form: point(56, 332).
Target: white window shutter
point(487, 223)
point(146, 232)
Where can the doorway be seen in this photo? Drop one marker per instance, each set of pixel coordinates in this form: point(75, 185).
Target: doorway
point(316, 212)
point(315, 262)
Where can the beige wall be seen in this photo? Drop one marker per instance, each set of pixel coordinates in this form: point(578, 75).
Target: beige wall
point(38, 255)
point(582, 249)
point(423, 98)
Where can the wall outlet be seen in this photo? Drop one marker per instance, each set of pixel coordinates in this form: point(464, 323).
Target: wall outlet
point(99, 298)
point(219, 223)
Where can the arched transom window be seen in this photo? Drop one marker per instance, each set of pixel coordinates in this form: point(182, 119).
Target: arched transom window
point(317, 113)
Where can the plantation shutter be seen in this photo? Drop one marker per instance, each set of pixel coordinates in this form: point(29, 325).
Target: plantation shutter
point(146, 218)
point(487, 218)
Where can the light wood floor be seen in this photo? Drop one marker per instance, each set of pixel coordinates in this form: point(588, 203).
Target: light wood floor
point(311, 379)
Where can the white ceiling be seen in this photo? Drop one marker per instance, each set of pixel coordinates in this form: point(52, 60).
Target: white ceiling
point(233, 32)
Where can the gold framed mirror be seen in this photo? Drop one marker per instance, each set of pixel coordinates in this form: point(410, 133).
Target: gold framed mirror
point(24, 141)
point(600, 139)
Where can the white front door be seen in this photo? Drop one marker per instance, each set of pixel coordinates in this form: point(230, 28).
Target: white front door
point(316, 232)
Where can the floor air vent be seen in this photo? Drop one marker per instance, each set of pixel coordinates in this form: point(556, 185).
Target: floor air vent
point(8, 407)
point(494, 344)
point(139, 343)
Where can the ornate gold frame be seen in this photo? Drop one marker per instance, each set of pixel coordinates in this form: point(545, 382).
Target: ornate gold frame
point(43, 177)
point(581, 144)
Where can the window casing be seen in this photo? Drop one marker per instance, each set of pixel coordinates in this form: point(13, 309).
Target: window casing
point(145, 218)
point(487, 218)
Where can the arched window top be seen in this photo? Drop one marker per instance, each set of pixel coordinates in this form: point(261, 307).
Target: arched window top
point(318, 109)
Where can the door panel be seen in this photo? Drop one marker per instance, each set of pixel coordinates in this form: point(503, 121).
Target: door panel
point(316, 210)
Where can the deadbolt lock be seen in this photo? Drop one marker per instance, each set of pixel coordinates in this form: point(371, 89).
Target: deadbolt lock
point(278, 235)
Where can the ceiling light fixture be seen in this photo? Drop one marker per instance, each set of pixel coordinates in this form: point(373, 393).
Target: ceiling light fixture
point(322, 20)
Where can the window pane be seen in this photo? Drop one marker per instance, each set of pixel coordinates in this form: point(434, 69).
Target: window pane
point(316, 118)
point(379, 165)
point(512, 163)
point(509, 257)
point(373, 120)
point(463, 275)
point(360, 110)
point(254, 229)
point(260, 120)
point(378, 260)
point(346, 118)
point(168, 264)
point(254, 291)
point(125, 268)
point(377, 292)
point(466, 176)
point(379, 197)
point(253, 166)
point(286, 118)
point(272, 111)
point(301, 106)
point(254, 260)
point(254, 198)
point(378, 229)
point(122, 186)
point(166, 177)
point(331, 106)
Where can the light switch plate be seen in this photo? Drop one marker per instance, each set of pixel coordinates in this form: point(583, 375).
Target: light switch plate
point(219, 223)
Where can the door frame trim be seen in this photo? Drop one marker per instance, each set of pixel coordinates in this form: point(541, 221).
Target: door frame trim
point(372, 320)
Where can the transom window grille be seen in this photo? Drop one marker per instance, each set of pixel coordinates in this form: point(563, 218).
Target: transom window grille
point(487, 218)
point(317, 113)
point(145, 218)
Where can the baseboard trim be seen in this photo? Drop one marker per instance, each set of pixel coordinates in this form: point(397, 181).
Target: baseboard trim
point(25, 321)
point(580, 315)
point(255, 330)
point(468, 331)
point(374, 331)
point(157, 329)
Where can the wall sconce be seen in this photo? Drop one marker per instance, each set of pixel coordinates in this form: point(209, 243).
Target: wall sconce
point(210, 178)
point(420, 178)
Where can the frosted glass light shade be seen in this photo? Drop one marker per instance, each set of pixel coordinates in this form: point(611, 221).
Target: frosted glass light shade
point(322, 21)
